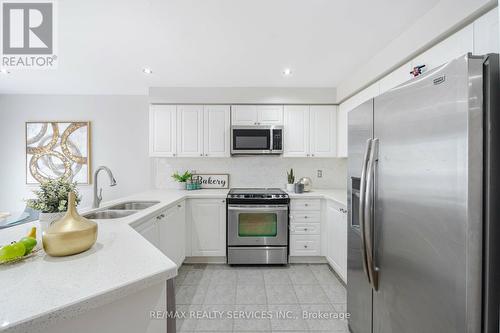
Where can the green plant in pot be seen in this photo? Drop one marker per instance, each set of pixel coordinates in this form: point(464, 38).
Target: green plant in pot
point(182, 179)
point(51, 200)
point(291, 180)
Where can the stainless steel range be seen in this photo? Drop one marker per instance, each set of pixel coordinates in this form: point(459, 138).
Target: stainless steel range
point(257, 226)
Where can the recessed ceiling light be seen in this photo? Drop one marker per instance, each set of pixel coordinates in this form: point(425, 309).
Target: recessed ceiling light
point(4, 71)
point(147, 70)
point(287, 72)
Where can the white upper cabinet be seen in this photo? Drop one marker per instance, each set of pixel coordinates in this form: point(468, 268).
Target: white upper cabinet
point(216, 130)
point(162, 130)
point(244, 115)
point(296, 131)
point(270, 115)
point(250, 115)
point(323, 130)
point(190, 130)
point(310, 131)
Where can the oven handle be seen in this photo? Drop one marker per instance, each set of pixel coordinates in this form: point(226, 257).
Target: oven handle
point(260, 208)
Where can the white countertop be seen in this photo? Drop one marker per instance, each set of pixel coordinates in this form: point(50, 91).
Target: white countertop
point(338, 195)
point(35, 292)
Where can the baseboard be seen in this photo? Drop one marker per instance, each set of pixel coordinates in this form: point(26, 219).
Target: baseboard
point(222, 260)
point(205, 260)
point(308, 260)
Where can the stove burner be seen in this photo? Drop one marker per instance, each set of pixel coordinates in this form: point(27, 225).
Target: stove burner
point(257, 193)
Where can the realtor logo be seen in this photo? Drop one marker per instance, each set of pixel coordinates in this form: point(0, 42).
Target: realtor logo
point(28, 34)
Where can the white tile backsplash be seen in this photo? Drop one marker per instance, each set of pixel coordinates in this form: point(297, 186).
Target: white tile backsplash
point(255, 171)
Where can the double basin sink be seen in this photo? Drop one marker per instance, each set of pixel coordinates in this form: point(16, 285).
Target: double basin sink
point(120, 210)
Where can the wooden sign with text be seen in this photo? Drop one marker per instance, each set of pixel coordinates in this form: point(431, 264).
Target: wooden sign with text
point(213, 180)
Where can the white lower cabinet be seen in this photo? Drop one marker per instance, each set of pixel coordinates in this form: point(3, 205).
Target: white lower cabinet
point(305, 227)
point(207, 227)
point(172, 230)
point(150, 231)
point(336, 238)
point(167, 232)
point(305, 245)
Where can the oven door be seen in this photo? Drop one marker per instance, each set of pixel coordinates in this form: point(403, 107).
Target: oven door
point(257, 225)
point(251, 140)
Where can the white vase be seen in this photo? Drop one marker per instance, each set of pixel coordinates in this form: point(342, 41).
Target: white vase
point(46, 219)
point(290, 187)
point(181, 186)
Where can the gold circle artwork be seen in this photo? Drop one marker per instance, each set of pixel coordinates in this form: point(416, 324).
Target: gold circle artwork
point(58, 151)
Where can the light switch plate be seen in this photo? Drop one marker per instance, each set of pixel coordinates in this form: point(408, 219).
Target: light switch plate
point(320, 173)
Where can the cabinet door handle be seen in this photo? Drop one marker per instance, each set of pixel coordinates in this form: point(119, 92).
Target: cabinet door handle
point(201, 154)
point(223, 201)
point(179, 206)
point(306, 205)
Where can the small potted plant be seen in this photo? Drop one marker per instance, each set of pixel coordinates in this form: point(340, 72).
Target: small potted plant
point(291, 181)
point(181, 179)
point(52, 200)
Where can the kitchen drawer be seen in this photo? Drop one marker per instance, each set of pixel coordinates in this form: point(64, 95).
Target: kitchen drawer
point(305, 216)
point(305, 228)
point(305, 245)
point(305, 204)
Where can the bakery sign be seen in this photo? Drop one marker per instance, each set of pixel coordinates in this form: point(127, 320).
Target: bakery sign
point(213, 180)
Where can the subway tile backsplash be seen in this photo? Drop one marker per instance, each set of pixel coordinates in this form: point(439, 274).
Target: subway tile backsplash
point(255, 171)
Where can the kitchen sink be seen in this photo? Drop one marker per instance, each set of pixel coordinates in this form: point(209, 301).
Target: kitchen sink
point(109, 214)
point(133, 205)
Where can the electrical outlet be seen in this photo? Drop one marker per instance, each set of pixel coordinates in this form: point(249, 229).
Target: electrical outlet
point(320, 173)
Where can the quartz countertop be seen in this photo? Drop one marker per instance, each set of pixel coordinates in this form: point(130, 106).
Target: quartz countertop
point(42, 289)
point(338, 195)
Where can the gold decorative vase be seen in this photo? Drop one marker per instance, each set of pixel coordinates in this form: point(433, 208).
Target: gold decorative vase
point(70, 235)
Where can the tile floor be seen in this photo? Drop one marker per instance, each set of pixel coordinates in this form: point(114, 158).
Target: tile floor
point(259, 299)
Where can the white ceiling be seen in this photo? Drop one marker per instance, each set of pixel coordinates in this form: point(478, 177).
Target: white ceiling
point(103, 45)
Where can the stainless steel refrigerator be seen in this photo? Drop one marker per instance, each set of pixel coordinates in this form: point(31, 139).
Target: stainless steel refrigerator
point(423, 196)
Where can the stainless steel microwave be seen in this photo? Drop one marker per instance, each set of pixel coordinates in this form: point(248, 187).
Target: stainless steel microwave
point(256, 140)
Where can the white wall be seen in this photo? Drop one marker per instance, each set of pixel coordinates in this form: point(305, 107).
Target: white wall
point(256, 171)
point(445, 18)
point(119, 126)
point(479, 37)
point(245, 95)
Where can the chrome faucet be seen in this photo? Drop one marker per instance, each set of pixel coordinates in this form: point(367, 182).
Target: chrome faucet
point(112, 182)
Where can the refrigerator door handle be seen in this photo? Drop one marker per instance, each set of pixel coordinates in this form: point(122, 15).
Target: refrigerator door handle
point(369, 213)
point(362, 198)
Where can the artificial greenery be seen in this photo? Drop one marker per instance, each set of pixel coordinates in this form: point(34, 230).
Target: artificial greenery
point(182, 178)
point(52, 196)
point(290, 176)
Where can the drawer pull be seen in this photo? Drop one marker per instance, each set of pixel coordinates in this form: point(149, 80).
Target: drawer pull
point(305, 246)
point(305, 216)
point(305, 229)
point(306, 205)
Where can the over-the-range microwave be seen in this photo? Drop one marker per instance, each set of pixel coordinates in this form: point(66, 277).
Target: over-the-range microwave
point(256, 140)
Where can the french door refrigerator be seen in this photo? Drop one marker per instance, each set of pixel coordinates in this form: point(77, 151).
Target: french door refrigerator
point(424, 169)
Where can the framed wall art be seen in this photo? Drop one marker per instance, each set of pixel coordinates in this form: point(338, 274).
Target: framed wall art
point(58, 149)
